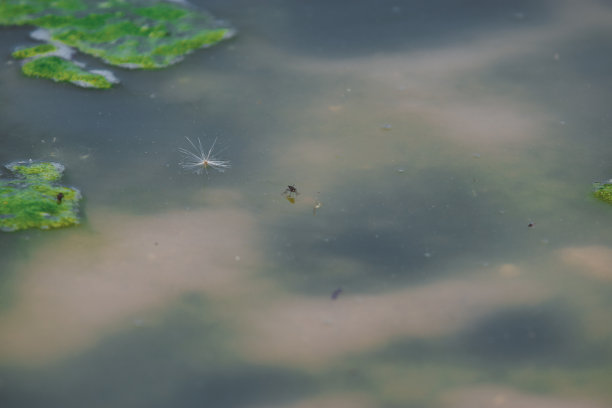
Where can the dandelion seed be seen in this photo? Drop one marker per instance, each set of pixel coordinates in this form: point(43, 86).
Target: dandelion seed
point(199, 160)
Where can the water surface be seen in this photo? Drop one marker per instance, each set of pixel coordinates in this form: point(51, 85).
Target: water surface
point(423, 137)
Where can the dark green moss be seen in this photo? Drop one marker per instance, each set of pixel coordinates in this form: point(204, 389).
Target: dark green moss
point(61, 70)
point(183, 46)
point(161, 12)
point(89, 22)
point(108, 33)
point(16, 14)
point(68, 5)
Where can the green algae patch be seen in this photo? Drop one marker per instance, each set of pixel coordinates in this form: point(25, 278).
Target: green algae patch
point(37, 50)
point(134, 34)
point(603, 191)
point(61, 70)
point(32, 197)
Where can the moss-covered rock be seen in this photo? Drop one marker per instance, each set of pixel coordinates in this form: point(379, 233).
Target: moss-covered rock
point(31, 198)
point(603, 191)
point(134, 34)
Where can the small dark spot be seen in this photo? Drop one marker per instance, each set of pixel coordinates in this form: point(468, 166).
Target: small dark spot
point(59, 197)
point(156, 243)
point(336, 293)
point(531, 224)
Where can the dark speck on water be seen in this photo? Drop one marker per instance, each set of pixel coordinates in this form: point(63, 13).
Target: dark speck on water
point(336, 293)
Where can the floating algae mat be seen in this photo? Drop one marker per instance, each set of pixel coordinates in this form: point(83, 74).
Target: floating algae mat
point(141, 34)
point(32, 197)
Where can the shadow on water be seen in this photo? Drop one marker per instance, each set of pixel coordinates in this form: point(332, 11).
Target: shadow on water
point(546, 333)
point(178, 361)
point(542, 334)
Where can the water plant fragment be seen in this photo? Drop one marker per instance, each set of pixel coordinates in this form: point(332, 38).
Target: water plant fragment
point(32, 198)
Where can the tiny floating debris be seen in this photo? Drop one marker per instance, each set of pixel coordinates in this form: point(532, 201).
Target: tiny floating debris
point(386, 126)
point(32, 198)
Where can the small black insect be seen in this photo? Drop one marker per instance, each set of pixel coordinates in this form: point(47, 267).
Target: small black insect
point(291, 191)
point(59, 197)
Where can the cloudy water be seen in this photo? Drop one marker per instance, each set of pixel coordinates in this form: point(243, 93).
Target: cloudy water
point(442, 249)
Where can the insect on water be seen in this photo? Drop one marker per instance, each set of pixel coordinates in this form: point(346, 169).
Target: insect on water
point(199, 159)
point(291, 191)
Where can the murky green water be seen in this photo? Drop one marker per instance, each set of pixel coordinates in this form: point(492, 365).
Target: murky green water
point(423, 138)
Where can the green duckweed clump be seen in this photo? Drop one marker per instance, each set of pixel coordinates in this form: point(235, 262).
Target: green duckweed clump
point(32, 197)
point(603, 191)
point(131, 34)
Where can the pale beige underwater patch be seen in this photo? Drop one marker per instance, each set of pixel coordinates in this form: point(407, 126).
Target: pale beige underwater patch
point(503, 397)
point(592, 261)
point(340, 400)
point(77, 290)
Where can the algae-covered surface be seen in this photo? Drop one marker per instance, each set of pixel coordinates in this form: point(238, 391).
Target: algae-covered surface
point(441, 248)
point(32, 197)
point(132, 34)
